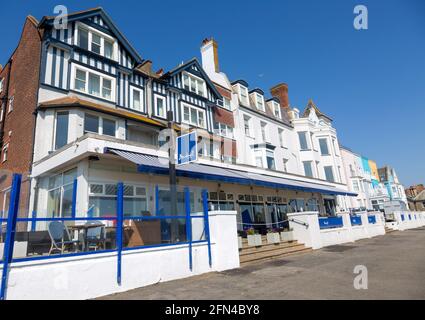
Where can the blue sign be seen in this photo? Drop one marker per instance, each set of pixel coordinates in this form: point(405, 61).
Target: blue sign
point(187, 148)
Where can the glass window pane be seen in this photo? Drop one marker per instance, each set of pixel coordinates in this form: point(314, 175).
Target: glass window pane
point(91, 123)
point(94, 84)
point(102, 206)
point(108, 49)
point(67, 201)
point(96, 43)
point(109, 127)
point(53, 203)
point(329, 174)
point(160, 107)
point(61, 138)
point(80, 80)
point(303, 140)
point(111, 189)
point(69, 176)
point(193, 117)
point(186, 114)
point(324, 147)
point(107, 89)
point(83, 39)
point(136, 99)
point(307, 169)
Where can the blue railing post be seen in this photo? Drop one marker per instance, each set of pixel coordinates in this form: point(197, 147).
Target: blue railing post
point(74, 199)
point(188, 224)
point(10, 233)
point(207, 223)
point(120, 218)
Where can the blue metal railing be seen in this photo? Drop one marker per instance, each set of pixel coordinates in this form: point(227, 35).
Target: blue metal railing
point(356, 220)
point(371, 219)
point(119, 219)
point(331, 222)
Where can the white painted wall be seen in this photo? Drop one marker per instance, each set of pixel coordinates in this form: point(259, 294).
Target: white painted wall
point(95, 275)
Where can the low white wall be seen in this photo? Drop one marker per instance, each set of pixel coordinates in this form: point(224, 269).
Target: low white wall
point(316, 238)
point(91, 276)
point(417, 219)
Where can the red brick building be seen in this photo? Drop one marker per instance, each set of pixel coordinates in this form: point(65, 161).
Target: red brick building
point(19, 88)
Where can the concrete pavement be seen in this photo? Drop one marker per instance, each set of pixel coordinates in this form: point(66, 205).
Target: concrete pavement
point(395, 265)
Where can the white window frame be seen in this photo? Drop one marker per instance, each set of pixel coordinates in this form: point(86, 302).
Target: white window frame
point(247, 119)
point(264, 135)
point(244, 99)
point(102, 76)
point(142, 104)
point(11, 104)
point(259, 98)
point(198, 110)
point(229, 131)
point(229, 106)
point(281, 133)
point(164, 101)
point(5, 152)
point(102, 36)
point(192, 76)
point(276, 107)
point(100, 127)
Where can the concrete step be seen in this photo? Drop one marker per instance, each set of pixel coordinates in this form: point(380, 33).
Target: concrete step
point(272, 254)
point(267, 247)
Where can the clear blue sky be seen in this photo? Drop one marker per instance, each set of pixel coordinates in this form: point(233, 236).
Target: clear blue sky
point(372, 83)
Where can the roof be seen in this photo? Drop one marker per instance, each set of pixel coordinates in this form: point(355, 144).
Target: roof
point(49, 20)
point(312, 105)
point(185, 65)
point(420, 196)
point(73, 101)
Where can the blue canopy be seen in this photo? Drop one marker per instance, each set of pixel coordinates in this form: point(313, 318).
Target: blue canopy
point(153, 164)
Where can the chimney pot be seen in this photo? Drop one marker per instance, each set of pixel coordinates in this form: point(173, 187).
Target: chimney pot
point(280, 91)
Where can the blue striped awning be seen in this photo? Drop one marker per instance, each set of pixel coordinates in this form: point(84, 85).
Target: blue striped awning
point(153, 164)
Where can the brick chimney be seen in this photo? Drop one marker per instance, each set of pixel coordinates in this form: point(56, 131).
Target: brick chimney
point(280, 91)
point(209, 52)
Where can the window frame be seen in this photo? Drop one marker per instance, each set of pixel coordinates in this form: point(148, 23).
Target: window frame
point(191, 77)
point(198, 110)
point(10, 105)
point(306, 141)
point(247, 124)
point(142, 100)
point(164, 101)
point(57, 113)
point(5, 152)
point(244, 99)
point(276, 107)
point(259, 98)
point(101, 119)
point(103, 36)
point(87, 71)
point(326, 145)
point(311, 168)
point(332, 172)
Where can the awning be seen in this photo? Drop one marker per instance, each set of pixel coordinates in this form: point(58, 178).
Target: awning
point(153, 164)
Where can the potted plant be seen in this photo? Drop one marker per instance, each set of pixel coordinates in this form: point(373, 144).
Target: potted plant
point(273, 236)
point(254, 239)
point(287, 235)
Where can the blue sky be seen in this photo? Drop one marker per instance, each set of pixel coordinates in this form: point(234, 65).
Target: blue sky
point(371, 82)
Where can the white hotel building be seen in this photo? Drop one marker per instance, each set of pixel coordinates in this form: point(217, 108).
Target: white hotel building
point(101, 109)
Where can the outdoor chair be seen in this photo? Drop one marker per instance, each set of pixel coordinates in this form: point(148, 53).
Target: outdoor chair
point(59, 235)
point(95, 237)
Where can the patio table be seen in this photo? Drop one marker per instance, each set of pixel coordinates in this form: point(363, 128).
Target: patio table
point(84, 228)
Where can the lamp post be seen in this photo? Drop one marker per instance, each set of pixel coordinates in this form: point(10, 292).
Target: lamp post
point(173, 179)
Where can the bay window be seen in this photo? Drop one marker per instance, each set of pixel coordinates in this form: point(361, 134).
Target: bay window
point(99, 125)
point(308, 170)
point(93, 83)
point(329, 174)
point(303, 140)
point(193, 116)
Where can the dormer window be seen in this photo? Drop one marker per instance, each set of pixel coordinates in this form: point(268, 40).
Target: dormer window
point(276, 109)
point(194, 84)
point(95, 41)
point(243, 95)
point(260, 101)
